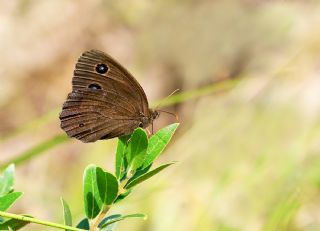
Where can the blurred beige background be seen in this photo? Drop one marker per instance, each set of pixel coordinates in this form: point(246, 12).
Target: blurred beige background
point(248, 157)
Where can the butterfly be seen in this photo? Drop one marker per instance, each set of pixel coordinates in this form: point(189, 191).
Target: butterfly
point(106, 101)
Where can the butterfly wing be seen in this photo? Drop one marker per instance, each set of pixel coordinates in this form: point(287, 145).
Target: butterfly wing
point(93, 114)
point(106, 101)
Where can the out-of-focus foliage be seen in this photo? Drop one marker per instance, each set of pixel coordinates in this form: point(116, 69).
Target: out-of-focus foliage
point(248, 157)
point(7, 198)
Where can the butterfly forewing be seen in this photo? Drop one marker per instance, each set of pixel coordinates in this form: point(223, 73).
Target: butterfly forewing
point(106, 101)
point(116, 78)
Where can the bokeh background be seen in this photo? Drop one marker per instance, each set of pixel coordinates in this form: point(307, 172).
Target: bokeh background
point(248, 147)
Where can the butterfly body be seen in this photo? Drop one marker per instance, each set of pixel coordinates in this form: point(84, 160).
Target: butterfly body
point(106, 101)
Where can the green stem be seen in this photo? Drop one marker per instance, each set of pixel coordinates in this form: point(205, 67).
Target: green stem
point(37, 150)
point(196, 93)
point(37, 221)
point(100, 217)
point(57, 140)
point(30, 126)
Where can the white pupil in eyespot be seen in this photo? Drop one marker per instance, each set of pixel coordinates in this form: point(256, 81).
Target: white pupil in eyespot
point(101, 68)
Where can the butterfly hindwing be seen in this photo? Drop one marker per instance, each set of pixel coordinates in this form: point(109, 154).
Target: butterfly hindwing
point(90, 115)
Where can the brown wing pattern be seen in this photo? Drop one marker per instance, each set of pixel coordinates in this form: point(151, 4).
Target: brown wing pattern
point(104, 103)
point(93, 114)
point(117, 79)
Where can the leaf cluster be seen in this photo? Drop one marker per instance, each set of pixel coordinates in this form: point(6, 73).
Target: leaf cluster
point(7, 198)
point(134, 158)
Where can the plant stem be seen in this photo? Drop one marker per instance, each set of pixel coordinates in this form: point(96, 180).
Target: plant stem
point(37, 221)
point(36, 150)
point(196, 93)
point(100, 217)
point(122, 184)
point(105, 210)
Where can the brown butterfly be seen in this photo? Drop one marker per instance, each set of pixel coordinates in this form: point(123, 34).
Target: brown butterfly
point(106, 100)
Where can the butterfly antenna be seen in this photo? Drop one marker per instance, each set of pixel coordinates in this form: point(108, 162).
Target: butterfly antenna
point(175, 115)
point(159, 104)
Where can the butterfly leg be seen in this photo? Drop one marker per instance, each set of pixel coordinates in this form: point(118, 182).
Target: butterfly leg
point(149, 133)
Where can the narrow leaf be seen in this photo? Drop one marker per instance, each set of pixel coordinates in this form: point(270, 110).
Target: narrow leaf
point(84, 224)
point(107, 185)
point(7, 180)
point(117, 217)
point(146, 176)
point(7, 200)
point(110, 227)
point(121, 149)
point(158, 142)
point(92, 200)
point(13, 224)
point(66, 213)
point(137, 148)
point(139, 173)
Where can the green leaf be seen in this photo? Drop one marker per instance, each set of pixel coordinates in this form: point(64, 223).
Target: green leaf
point(13, 224)
point(137, 148)
point(84, 224)
point(146, 176)
point(121, 149)
point(7, 180)
point(117, 217)
point(123, 195)
point(125, 169)
point(66, 213)
point(7, 200)
point(92, 200)
point(139, 173)
point(110, 227)
point(158, 142)
point(107, 185)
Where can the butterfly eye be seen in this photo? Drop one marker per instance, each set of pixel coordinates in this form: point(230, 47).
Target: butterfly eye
point(94, 86)
point(101, 68)
point(81, 125)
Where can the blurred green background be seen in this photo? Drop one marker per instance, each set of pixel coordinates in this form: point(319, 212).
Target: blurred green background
point(249, 141)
